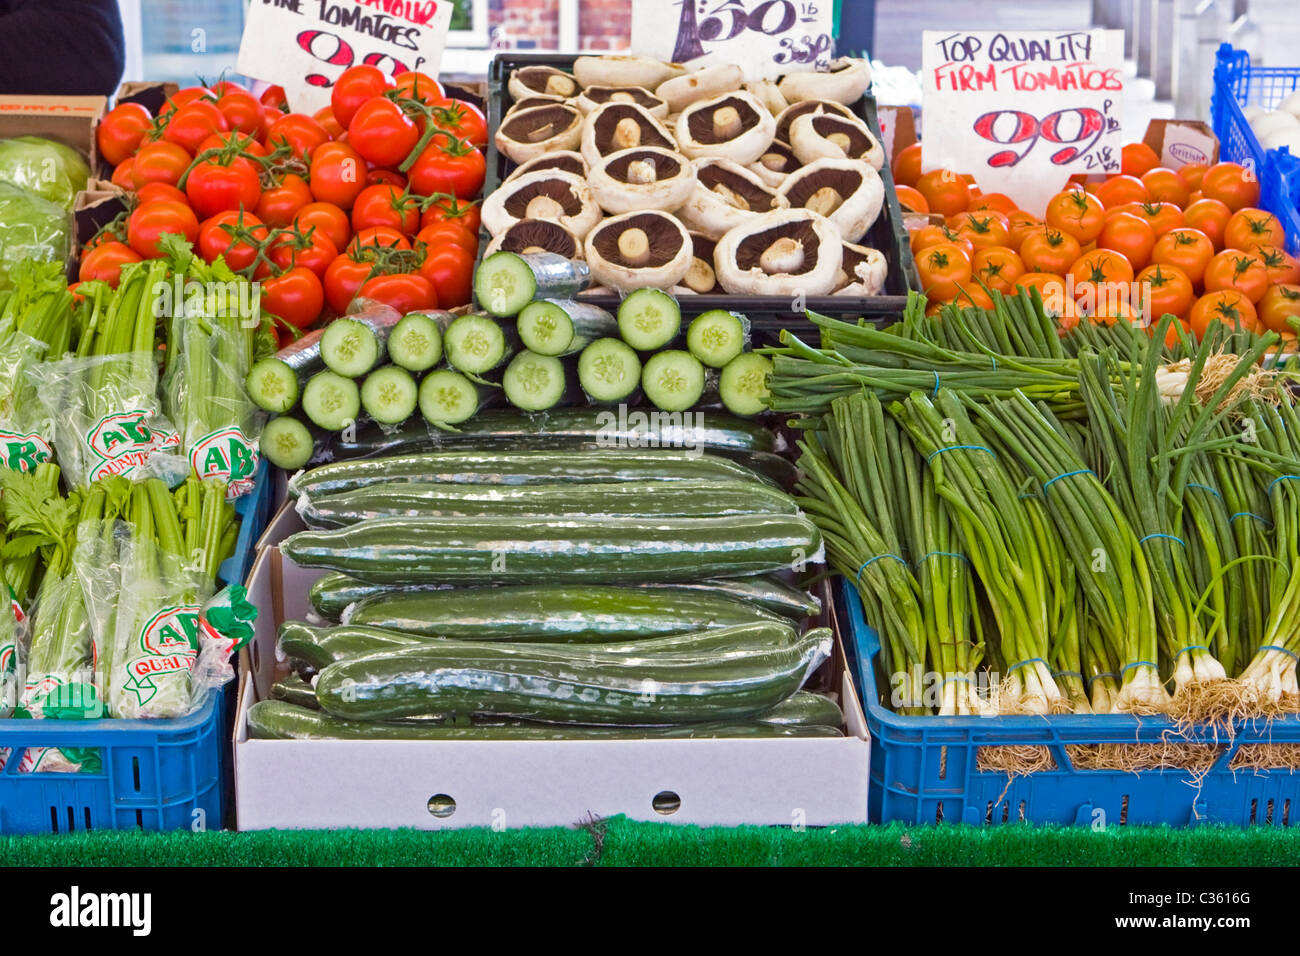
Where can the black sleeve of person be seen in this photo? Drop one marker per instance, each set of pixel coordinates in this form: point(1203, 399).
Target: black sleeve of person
point(61, 47)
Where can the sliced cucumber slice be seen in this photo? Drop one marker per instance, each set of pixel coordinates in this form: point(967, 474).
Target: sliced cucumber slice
point(649, 319)
point(350, 347)
point(673, 380)
point(475, 344)
point(415, 343)
point(331, 401)
point(609, 370)
point(545, 328)
point(286, 443)
point(717, 336)
point(505, 282)
point(389, 395)
point(743, 384)
point(534, 382)
point(448, 397)
point(272, 385)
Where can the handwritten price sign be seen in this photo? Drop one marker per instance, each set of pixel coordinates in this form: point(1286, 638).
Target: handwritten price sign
point(304, 45)
point(765, 37)
point(1022, 111)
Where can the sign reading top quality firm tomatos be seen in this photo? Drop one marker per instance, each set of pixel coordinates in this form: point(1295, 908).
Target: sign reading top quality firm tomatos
point(303, 45)
point(1023, 110)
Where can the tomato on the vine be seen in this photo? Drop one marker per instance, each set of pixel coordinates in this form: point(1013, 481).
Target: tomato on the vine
point(194, 122)
point(242, 111)
point(300, 133)
point(450, 268)
point(337, 174)
point(447, 233)
point(232, 236)
point(355, 86)
point(124, 174)
point(384, 236)
point(215, 186)
point(283, 201)
point(463, 120)
point(385, 177)
point(326, 218)
point(121, 131)
point(159, 163)
point(386, 206)
point(456, 168)
point(153, 192)
point(244, 142)
point(405, 292)
point(148, 223)
point(325, 116)
point(274, 97)
point(447, 208)
point(420, 86)
point(191, 94)
point(296, 296)
point(382, 133)
point(105, 262)
point(315, 251)
point(344, 277)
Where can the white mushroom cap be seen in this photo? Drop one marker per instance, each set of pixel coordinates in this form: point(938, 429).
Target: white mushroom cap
point(618, 70)
point(541, 81)
point(639, 250)
point(543, 129)
point(545, 194)
point(847, 191)
point(726, 195)
point(681, 91)
point(612, 127)
point(732, 126)
point(643, 177)
point(780, 253)
point(566, 161)
point(769, 94)
point(787, 116)
point(536, 235)
point(845, 82)
point(777, 162)
point(594, 96)
point(863, 271)
point(815, 136)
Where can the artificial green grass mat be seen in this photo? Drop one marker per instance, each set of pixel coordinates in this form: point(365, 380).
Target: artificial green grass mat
point(621, 842)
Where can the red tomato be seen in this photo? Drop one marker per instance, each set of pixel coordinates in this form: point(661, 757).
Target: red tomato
point(232, 236)
point(153, 192)
point(242, 111)
point(405, 292)
point(355, 86)
point(448, 167)
point(343, 278)
point(382, 133)
point(124, 174)
point(420, 86)
point(447, 233)
point(326, 218)
point(325, 116)
point(105, 262)
point(282, 202)
point(190, 94)
point(121, 130)
point(450, 269)
point(385, 236)
point(159, 163)
point(337, 174)
point(386, 206)
point(243, 142)
point(151, 221)
point(297, 296)
point(222, 87)
point(463, 120)
point(215, 187)
point(385, 177)
point(314, 251)
point(301, 133)
point(444, 208)
point(194, 122)
point(273, 96)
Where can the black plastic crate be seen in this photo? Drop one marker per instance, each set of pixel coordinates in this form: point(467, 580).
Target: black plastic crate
point(767, 314)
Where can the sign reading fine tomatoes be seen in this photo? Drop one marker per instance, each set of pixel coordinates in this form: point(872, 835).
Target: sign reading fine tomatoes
point(1024, 110)
point(766, 38)
point(303, 45)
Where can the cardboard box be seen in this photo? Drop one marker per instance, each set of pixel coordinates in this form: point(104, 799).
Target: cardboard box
point(68, 119)
point(432, 785)
point(1179, 142)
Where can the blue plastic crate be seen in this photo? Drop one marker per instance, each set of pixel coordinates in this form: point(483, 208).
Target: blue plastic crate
point(1238, 84)
point(156, 774)
point(924, 770)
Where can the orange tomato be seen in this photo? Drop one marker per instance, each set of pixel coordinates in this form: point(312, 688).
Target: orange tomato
point(1280, 303)
point(998, 267)
point(1231, 184)
point(1077, 213)
point(1047, 284)
point(1137, 158)
point(1282, 267)
point(1191, 175)
point(945, 192)
point(1165, 185)
point(943, 269)
point(907, 165)
point(1117, 190)
point(984, 230)
point(1049, 250)
point(911, 198)
point(1172, 331)
point(1210, 216)
point(1111, 309)
point(1164, 289)
point(997, 202)
point(970, 295)
point(1160, 216)
point(1021, 224)
point(933, 235)
point(1250, 227)
point(1188, 249)
point(1101, 267)
point(1233, 269)
point(1129, 235)
point(1227, 306)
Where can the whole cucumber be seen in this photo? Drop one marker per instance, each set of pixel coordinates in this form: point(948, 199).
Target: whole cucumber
point(319, 647)
point(521, 550)
point(569, 684)
point(294, 690)
point(804, 709)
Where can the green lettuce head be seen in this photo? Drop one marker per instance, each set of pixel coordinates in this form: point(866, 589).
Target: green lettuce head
point(53, 171)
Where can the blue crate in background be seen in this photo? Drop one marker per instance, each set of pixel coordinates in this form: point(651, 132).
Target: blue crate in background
point(155, 774)
point(1238, 84)
point(924, 769)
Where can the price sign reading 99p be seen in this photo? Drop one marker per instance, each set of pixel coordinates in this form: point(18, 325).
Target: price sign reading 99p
point(1022, 111)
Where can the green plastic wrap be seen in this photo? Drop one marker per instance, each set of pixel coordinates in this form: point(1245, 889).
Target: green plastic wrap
point(30, 228)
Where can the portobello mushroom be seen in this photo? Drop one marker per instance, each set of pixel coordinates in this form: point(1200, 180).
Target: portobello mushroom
point(618, 126)
point(565, 161)
point(701, 278)
point(594, 96)
point(726, 194)
point(815, 136)
point(543, 129)
point(787, 252)
point(536, 235)
point(643, 177)
point(845, 82)
point(544, 81)
point(846, 191)
point(545, 194)
point(733, 126)
point(639, 250)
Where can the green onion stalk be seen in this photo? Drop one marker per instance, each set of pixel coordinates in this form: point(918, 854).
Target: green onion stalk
point(999, 539)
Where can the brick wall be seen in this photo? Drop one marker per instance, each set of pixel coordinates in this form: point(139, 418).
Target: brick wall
point(534, 24)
